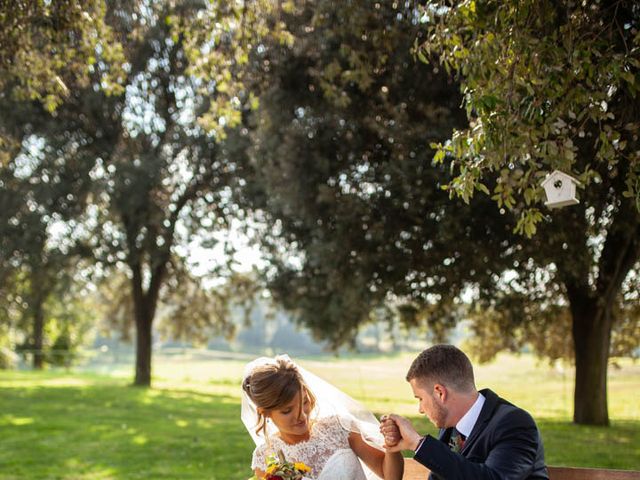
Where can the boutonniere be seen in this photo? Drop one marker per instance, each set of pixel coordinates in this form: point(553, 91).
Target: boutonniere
point(456, 441)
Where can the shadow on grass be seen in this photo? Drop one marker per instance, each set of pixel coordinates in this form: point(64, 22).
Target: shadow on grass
point(100, 431)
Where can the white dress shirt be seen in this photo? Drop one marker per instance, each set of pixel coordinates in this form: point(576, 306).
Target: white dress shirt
point(469, 419)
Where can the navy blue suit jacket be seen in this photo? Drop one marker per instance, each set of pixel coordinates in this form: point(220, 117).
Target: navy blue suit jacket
point(504, 444)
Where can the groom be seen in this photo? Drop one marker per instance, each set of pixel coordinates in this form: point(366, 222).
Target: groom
point(482, 436)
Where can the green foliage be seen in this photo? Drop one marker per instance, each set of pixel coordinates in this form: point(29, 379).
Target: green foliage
point(552, 85)
point(8, 359)
point(626, 330)
point(543, 327)
point(67, 315)
point(341, 118)
point(62, 352)
point(218, 43)
point(365, 218)
point(70, 320)
point(547, 85)
point(342, 172)
point(360, 219)
point(49, 49)
point(137, 173)
point(41, 197)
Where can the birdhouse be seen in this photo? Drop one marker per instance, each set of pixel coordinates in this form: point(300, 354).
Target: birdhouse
point(560, 189)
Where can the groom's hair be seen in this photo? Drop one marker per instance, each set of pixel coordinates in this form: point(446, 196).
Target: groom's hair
point(443, 364)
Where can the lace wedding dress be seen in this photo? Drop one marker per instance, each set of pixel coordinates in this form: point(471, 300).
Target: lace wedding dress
point(327, 452)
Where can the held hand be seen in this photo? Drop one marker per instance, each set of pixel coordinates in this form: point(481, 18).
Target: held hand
point(390, 430)
point(409, 438)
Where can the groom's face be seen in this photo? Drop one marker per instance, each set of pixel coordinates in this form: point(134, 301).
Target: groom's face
point(429, 402)
point(293, 417)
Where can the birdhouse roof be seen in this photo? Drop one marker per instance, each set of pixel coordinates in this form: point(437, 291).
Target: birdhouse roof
point(556, 174)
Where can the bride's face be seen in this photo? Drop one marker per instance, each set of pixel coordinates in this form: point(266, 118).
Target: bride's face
point(292, 419)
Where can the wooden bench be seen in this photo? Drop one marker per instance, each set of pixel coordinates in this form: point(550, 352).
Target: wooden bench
point(415, 471)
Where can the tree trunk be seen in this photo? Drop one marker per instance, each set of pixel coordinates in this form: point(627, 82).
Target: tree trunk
point(145, 310)
point(591, 337)
point(144, 322)
point(38, 334)
point(592, 310)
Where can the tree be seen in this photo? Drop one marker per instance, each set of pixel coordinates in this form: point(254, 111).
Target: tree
point(188, 310)
point(553, 85)
point(154, 177)
point(41, 199)
point(343, 174)
point(163, 178)
point(360, 219)
point(48, 49)
point(158, 178)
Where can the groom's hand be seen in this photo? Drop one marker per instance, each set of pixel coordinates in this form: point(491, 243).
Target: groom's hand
point(409, 438)
point(390, 431)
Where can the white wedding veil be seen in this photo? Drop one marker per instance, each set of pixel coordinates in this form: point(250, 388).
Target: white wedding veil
point(330, 401)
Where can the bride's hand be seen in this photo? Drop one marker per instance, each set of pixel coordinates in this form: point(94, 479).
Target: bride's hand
point(409, 438)
point(390, 430)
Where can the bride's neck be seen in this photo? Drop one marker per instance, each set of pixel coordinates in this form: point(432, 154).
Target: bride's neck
point(293, 439)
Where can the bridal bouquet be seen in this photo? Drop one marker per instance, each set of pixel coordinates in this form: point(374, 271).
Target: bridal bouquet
point(278, 468)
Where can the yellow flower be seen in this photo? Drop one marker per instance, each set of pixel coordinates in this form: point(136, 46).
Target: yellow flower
point(272, 468)
point(302, 467)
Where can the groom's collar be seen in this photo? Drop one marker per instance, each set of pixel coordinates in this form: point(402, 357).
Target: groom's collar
point(467, 422)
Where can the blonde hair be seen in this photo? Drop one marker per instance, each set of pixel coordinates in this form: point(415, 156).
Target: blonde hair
point(274, 385)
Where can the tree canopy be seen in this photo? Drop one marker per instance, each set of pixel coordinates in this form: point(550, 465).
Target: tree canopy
point(547, 85)
point(342, 155)
point(341, 163)
point(48, 49)
point(319, 123)
point(553, 85)
point(152, 177)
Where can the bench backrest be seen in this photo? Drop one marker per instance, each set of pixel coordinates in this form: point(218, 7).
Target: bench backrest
point(415, 471)
point(568, 473)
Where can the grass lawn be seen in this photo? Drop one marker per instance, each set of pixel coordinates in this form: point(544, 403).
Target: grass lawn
point(56, 425)
point(84, 427)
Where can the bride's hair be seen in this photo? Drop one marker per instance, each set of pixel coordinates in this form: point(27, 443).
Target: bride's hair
point(273, 385)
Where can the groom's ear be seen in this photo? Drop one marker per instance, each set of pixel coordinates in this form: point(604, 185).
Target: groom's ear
point(440, 391)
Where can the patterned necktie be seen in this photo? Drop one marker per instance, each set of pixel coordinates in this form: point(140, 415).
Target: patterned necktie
point(456, 441)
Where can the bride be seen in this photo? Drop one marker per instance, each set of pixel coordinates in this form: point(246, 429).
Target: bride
point(288, 409)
